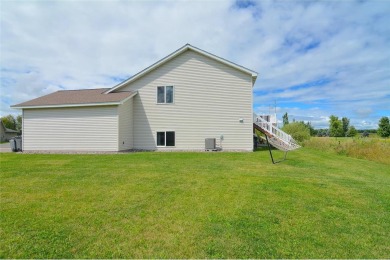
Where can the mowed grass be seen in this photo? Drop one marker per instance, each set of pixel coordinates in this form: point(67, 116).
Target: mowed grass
point(194, 205)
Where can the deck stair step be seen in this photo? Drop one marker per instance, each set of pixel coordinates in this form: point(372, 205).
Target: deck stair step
point(276, 137)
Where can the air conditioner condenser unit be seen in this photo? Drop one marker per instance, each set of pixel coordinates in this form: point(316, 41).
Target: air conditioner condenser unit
point(210, 144)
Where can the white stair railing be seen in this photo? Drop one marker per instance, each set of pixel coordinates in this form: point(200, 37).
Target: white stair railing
point(278, 138)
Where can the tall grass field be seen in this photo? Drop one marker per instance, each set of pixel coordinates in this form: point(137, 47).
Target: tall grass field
point(316, 204)
point(373, 149)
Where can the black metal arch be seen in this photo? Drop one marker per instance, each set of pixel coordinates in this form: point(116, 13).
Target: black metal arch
point(270, 153)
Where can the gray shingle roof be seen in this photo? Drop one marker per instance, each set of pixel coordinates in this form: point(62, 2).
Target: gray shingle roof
point(7, 130)
point(82, 96)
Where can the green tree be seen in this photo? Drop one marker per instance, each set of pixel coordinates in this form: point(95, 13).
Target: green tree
point(285, 119)
point(333, 118)
point(335, 127)
point(384, 127)
point(351, 131)
point(313, 132)
point(19, 120)
point(345, 122)
point(298, 130)
point(9, 122)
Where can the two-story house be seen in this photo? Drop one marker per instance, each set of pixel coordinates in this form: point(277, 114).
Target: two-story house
point(175, 104)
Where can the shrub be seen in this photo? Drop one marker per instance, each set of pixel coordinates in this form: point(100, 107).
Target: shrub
point(298, 130)
point(335, 127)
point(384, 127)
point(351, 131)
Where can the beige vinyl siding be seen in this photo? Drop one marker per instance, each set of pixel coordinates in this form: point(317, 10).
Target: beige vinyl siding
point(71, 129)
point(125, 113)
point(209, 100)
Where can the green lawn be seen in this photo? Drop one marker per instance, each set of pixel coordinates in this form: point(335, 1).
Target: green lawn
point(194, 205)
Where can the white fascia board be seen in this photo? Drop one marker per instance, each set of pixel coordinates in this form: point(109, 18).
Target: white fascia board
point(70, 105)
point(176, 53)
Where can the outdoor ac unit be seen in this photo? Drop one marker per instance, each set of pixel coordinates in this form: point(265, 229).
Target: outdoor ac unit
point(210, 144)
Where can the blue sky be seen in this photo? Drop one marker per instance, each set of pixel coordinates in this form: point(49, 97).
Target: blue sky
point(314, 58)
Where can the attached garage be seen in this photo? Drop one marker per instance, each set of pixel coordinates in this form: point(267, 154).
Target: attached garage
point(84, 125)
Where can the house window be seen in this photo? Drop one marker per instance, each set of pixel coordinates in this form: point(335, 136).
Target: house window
point(165, 94)
point(166, 138)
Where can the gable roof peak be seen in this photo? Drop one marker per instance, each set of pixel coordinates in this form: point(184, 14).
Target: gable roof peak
point(175, 54)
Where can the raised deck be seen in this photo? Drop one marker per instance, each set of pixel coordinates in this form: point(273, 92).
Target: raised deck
point(276, 137)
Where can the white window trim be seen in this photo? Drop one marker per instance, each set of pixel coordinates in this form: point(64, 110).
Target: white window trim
point(165, 137)
point(165, 95)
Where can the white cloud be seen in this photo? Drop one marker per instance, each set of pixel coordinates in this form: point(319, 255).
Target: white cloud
point(53, 45)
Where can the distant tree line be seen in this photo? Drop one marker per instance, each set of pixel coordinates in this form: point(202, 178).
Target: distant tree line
point(337, 128)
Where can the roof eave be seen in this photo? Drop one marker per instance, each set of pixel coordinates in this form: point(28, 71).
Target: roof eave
point(69, 105)
point(114, 103)
point(254, 78)
point(226, 62)
point(148, 69)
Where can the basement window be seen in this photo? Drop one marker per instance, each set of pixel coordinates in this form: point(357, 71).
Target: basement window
point(165, 95)
point(166, 139)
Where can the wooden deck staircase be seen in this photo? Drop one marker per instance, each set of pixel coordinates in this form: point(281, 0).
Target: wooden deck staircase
point(276, 137)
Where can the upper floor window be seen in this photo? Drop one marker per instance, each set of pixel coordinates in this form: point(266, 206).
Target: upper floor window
point(165, 94)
